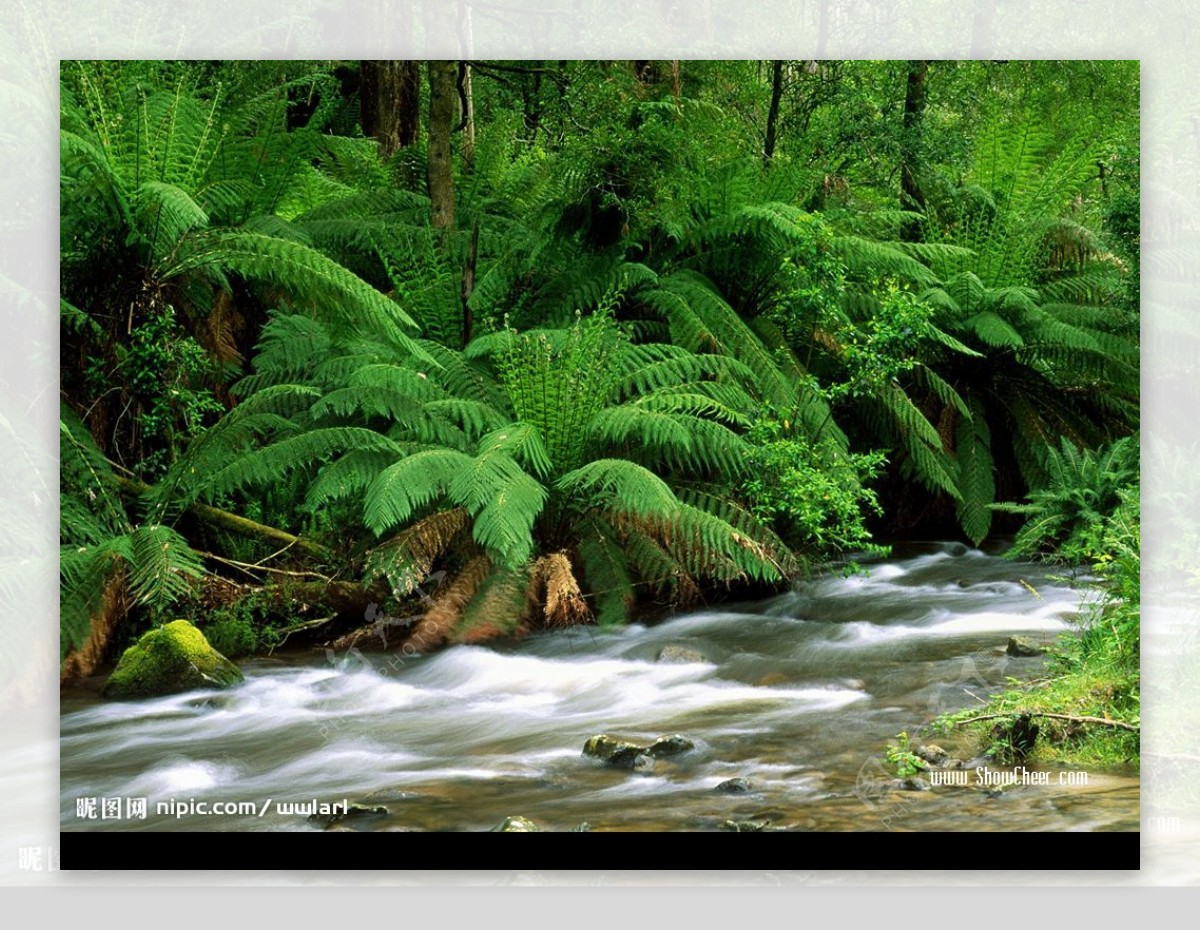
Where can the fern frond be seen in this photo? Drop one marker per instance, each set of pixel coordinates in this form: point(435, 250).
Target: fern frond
point(409, 484)
point(308, 274)
point(521, 442)
point(347, 476)
point(976, 482)
point(271, 463)
point(161, 565)
point(994, 331)
point(618, 484)
point(607, 571)
point(504, 501)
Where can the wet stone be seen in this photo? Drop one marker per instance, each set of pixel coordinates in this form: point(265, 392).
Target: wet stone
point(517, 825)
point(911, 784)
point(735, 786)
point(359, 814)
point(933, 754)
point(1022, 648)
point(672, 745)
point(745, 826)
point(675, 654)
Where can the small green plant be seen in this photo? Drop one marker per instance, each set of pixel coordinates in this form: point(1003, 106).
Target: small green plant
point(816, 495)
point(232, 635)
point(1068, 518)
point(241, 629)
point(903, 759)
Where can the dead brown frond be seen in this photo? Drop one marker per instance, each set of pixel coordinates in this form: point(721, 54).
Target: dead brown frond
point(502, 603)
point(947, 422)
point(563, 600)
point(447, 611)
point(221, 330)
point(114, 605)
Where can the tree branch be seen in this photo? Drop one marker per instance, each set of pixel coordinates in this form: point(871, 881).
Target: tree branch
point(232, 522)
point(1100, 721)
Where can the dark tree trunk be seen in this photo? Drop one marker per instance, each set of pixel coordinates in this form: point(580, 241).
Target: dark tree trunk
point(390, 103)
point(468, 284)
point(467, 100)
point(647, 72)
point(531, 98)
point(773, 112)
point(443, 94)
point(911, 196)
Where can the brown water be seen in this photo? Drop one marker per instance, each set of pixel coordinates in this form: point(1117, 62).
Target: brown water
point(798, 694)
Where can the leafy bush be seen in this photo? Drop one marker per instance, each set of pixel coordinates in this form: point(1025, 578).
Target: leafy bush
point(816, 494)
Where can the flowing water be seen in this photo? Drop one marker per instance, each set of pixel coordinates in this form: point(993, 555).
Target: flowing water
point(798, 694)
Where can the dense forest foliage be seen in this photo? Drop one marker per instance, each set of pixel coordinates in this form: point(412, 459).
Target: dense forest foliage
point(480, 347)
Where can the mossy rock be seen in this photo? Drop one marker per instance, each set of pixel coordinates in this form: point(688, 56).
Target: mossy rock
point(604, 747)
point(172, 658)
point(621, 754)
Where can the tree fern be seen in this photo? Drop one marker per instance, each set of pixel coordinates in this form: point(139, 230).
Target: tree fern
point(557, 431)
point(101, 546)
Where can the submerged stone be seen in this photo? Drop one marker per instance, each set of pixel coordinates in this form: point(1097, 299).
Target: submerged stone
point(675, 654)
point(911, 784)
point(735, 786)
point(169, 659)
point(745, 826)
point(339, 812)
point(672, 745)
point(517, 825)
point(1021, 647)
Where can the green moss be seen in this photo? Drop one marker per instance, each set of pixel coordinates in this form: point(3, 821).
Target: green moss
point(172, 658)
point(232, 635)
point(1089, 693)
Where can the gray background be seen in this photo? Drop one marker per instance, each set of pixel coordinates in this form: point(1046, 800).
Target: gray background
point(36, 34)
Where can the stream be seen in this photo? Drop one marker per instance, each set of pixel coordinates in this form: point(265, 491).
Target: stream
point(798, 694)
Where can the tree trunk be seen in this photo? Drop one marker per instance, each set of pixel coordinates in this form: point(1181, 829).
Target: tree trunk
point(773, 112)
point(468, 119)
point(531, 99)
point(468, 284)
point(911, 196)
point(442, 94)
point(390, 105)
